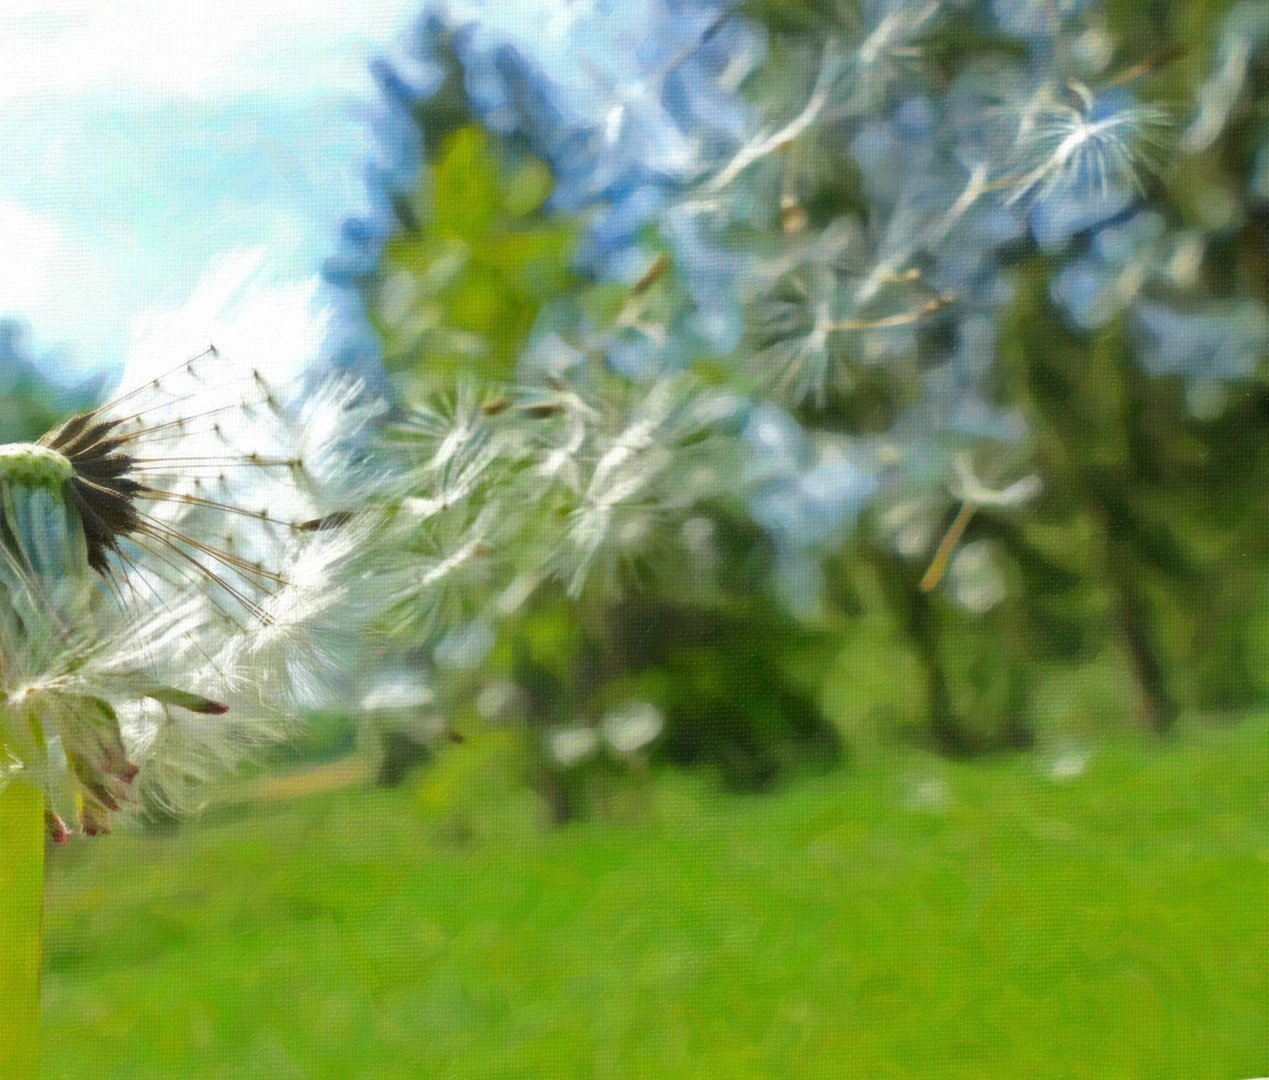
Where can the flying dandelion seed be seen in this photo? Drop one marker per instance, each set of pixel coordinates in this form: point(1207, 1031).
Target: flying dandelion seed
point(163, 561)
point(1080, 157)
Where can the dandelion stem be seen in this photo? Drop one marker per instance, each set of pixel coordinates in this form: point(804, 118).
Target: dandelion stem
point(903, 318)
point(21, 926)
point(764, 145)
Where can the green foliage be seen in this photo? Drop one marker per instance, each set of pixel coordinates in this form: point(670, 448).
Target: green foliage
point(460, 291)
point(1160, 513)
point(720, 677)
point(324, 735)
point(30, 405)
point(1147, 553)
point(29, 408)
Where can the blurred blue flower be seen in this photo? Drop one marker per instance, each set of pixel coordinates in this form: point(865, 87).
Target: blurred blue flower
point(1035, 18)
point(808, 514)
point(615, 222)
point(1100, 284)
point(712, 271)
point(954, 391)
point(780, 446)
point(1222, 340)
point(805, 499)
point(889, 152)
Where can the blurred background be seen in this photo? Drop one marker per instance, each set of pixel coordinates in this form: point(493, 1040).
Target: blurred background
point(814, 613)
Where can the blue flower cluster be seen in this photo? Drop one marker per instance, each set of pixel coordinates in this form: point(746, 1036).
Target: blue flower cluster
point(845, 201)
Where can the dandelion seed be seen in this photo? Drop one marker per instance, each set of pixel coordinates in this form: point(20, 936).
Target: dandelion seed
point(632, 726)
point(624, 497)
point(979, 584)
point(972, 494)
point(1080, 160)
point(1068, 765)
point(571, 746)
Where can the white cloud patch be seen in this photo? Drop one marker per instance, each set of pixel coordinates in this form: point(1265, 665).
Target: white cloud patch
point(255, 324)
point(221, 50)
point(146, 141)
point(34, 250)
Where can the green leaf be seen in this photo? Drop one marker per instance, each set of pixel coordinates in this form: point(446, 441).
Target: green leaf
point(97, 757)
point(183, 699)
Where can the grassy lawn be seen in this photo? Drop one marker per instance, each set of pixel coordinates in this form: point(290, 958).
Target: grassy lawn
point(905, 918)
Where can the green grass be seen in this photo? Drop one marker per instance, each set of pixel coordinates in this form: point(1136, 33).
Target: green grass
point(906, 918)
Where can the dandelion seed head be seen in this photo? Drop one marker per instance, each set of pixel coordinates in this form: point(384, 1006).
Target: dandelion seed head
point(157, 606)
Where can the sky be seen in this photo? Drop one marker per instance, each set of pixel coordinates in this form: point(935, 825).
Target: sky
point(167, 165)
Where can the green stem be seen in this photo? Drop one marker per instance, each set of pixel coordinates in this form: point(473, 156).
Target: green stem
point(21, 928)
